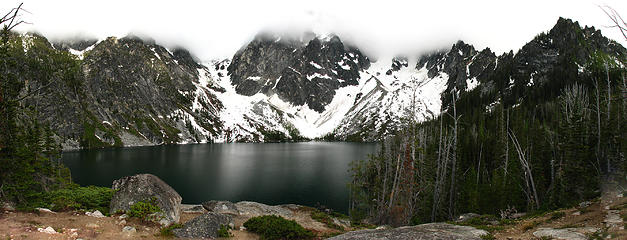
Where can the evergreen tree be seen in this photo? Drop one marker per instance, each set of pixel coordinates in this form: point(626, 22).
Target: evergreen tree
point(29, 155)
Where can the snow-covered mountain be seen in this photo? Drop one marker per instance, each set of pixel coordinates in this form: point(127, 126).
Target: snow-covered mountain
point(133, 91)
point(376, 100)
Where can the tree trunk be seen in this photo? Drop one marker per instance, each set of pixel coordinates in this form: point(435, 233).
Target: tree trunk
point(596, 86)
point(506, 150)
point(451, 207)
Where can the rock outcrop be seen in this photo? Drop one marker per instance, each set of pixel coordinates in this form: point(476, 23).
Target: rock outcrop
point(250, 209)
point(203, 226)
point(442, 231)
point(145, 187)
point(565, 233)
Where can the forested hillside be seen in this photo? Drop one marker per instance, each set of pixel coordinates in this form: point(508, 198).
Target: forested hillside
point(29, 154)
point(539, 132)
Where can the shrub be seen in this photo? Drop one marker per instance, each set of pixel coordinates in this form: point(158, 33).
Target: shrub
point(530, 225)
point(223, 232)
point(557, 215)
point(144, 209)
point(74, 198)
point(276, 227)
point(326, 219)
point(167, 231)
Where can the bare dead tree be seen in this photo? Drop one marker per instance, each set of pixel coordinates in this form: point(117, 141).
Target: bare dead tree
point(616, 19)
point(506, 149)
point(551, 138)
point(576, 109)
point(530, 190)
point(441, 173)
point(598, 110)
point(12, 19)
point(451, 207)
point(609, 95)
point(609, 102)
point(397, 174)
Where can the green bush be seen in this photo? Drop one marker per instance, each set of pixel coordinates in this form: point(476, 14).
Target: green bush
point(144, 209)
point(223, 232)
point(167, 231)
point(74, 198)
point(276, 227)
point(557, 215)
point(86, 198)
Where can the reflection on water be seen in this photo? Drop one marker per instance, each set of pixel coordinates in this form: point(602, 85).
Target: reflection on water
point(271, 173)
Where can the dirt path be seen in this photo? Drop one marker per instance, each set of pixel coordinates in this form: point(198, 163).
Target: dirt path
point(614, 205)
point(602, 218)
point(71, 225)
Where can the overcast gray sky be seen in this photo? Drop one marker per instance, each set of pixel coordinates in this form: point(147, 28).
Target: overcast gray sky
point(216, 29)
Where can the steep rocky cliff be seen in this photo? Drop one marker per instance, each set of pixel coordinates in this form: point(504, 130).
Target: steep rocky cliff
point(131, 92)
point(299, 71)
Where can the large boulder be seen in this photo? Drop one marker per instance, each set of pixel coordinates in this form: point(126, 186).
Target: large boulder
point(203, 226)
point(142, 187)
point(442, 231)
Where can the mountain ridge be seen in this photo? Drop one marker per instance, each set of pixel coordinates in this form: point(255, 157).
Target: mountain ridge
point(136, 92)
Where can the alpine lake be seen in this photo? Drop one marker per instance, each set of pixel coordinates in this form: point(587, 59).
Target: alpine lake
point(305, 173)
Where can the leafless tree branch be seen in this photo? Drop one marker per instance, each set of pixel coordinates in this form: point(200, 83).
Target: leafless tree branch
point(12, 19)
point(616, 18)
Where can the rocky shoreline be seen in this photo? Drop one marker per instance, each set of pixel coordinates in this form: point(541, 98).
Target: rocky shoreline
point(197, 221)
point(204, 221)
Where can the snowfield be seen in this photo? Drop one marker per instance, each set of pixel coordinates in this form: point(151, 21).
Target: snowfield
point(377, 97)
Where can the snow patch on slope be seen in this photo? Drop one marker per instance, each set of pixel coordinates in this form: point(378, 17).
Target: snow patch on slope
point(388, 100)
point(378, 100)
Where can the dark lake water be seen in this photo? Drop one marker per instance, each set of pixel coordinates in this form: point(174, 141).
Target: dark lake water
point(272, 173)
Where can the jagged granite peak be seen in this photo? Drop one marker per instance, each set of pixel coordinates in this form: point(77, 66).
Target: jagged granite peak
point(556, 58)
point(397, 64)
point(464, 65)
point(299, 74)
point(78, 44)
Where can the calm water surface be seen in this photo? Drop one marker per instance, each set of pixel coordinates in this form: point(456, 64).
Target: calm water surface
point(272, 173)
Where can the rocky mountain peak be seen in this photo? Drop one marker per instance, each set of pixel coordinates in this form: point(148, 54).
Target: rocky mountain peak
point(464, 65)
point(300, 74)
point(397, 64)
point(78, 44)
